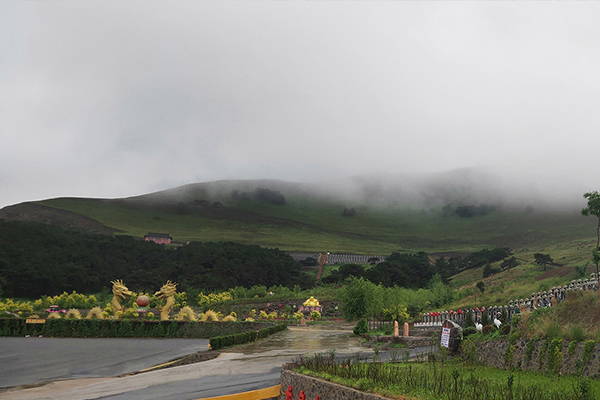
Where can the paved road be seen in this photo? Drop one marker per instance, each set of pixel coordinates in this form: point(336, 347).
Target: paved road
point(26, 361)
point(249, 367)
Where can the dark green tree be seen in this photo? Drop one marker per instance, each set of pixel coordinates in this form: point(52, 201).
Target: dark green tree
point(359, 299)
point(543, 259)
point(509, 263)
point(593, 208)
point(481, 286)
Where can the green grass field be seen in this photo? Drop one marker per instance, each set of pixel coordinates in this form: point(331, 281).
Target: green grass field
point(305, 224)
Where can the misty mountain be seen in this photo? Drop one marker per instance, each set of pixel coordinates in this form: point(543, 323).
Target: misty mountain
point(458, 210)
point(465, 186)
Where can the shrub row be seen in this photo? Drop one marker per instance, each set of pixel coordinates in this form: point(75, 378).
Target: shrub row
point(129, 328)
point(219, 342)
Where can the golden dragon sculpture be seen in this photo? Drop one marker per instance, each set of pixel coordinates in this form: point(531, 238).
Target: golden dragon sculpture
point(119, 292)
point(167, 291)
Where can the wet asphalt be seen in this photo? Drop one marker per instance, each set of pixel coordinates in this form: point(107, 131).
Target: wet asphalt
point(238, 369)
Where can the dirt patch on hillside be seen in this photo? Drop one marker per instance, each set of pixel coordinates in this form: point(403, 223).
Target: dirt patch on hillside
point(31, 212)
point(563, 272)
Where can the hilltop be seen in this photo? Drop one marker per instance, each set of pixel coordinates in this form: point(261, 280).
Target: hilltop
point(453, 212)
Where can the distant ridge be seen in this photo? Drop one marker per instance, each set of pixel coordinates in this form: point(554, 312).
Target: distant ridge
point(455, 212)
point(37, 213)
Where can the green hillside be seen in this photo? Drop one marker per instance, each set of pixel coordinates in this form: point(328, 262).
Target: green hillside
point(297, 217)
point(313, 222)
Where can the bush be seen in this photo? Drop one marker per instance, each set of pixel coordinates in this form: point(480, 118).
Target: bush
point(315, 315)
point(576, 333)
point(219, 342)
point(359, 299)
point(133, 328)
point(361, 327)
point(469, 330)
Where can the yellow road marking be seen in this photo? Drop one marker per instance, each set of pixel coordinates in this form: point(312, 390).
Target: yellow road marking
point(158, 366)
point(259, 394)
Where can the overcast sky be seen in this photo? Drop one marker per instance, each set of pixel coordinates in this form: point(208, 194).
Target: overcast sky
point(112, 99)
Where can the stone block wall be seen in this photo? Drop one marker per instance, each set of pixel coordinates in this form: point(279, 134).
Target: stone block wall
point(314, 387)
point(492, 353)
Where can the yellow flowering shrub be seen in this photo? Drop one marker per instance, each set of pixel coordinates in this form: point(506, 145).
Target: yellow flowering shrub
point(212, 298)
point(109, 309)
point(10, 305)
point(298, 315)
point(66, 300)
point(130, 313)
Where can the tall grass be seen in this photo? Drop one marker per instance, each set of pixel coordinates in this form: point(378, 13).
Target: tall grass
point(453, 381)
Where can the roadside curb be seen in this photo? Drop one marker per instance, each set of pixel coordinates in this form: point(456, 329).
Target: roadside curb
point(260, 394)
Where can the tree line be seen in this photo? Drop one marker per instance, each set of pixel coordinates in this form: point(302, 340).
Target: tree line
point(38, 260)
point(417, 269)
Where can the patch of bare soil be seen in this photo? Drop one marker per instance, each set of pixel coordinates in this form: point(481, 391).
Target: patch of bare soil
point(563, 272)
point(31, 212)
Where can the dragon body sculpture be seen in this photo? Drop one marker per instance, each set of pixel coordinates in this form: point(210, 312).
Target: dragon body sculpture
point(186, 314)
point(95, 312)
point(119, 292)
point(167, 291)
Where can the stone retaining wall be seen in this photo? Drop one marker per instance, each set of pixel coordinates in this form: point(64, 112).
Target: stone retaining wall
point(314, 387)
point(492, 353)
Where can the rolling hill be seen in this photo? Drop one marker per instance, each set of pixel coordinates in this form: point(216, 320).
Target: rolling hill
point(380, 216)
point(443, 215)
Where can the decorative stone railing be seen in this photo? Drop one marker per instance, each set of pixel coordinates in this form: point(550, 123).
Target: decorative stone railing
point(540, 299)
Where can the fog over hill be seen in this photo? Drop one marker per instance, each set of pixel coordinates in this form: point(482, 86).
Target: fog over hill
point(506, 188)
point(200, 91)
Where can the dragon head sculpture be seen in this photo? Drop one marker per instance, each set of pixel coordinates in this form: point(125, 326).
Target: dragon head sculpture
point(119, 292)
point(167, 290)
point(119, 289)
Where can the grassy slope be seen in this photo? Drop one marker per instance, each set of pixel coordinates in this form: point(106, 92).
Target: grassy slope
point(309, 223)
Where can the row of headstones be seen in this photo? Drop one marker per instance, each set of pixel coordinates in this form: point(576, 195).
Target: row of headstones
point(459, 316)
point(338, 258)
point(351, 258)
point(540, 299)
point(555, 294)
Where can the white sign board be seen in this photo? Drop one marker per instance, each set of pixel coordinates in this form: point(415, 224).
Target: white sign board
point(445, 337)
